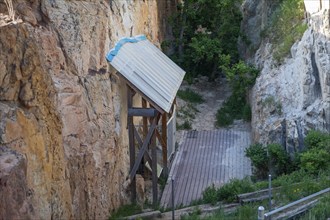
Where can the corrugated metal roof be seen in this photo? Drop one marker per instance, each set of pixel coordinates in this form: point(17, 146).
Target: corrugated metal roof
point(148, 69)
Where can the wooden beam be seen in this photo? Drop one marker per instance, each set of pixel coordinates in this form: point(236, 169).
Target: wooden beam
point(145, 131)
point(154, 168)
point(130, 126)
point(144, 112)
point(143, 148)
point(145, 120)
point(164, 146)
point(138, 138)
point(159, 109)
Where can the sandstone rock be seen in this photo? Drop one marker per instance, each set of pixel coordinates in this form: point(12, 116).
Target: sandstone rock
point(59, 107)
point(14, 192)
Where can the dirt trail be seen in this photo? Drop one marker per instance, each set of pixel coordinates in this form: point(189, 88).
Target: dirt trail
point(214, 93)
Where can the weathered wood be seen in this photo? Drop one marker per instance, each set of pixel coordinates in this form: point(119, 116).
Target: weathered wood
point(138, 138)
point(205, 156)
point(154, 169)
point(159, 109)
point(145, 131)
point(130, 126)
point(142, 112)
point(143, 148)
point(164, 146)
point(144, 120)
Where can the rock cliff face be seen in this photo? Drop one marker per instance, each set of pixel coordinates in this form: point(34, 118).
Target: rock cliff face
point(63, 141)
point(291, 98)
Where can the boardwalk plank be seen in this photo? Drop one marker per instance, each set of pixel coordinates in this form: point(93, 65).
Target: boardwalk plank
point(211, 157)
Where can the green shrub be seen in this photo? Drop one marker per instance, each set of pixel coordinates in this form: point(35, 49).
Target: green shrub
point(286, 27)
point(315, 160)
point(210, 195)
point(229, 191)
point(259, 159)
point(185, 126)
point(317, 139)
point(273, 159)
point(280, 162)
point(190, 96)
point(241, 78)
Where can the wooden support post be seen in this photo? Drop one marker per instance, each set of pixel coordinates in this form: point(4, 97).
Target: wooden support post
point(164, 145)
point(145, 120)
point(145, 131)
point(154, 169)
point(131, 143)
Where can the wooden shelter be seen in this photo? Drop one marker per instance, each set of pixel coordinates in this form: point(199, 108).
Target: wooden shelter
point(151, 74)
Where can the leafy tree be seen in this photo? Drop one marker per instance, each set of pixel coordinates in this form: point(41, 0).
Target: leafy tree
point(204, 30)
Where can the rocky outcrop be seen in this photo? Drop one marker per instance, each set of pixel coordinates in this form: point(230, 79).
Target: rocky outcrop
point(62, 107)
point(291, 98)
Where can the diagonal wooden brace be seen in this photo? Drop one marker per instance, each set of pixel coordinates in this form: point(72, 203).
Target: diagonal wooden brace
point(138, 138)
point(143, 148)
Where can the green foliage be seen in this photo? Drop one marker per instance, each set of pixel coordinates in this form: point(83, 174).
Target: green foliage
point(231, 110)
point(126, 210)
point(259, 159)
point(203, 30)
point(273, 159)
point(185, 126)
point(229, 191)
point(315, 160)
point(210, 195)
point(275, 106)
point(280, 162)
point(320, 211)
point(190, 96)
point(286, 27)
point(241, 78)
point(317, 139)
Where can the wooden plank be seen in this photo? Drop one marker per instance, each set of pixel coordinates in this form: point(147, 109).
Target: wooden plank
point(166, 197)
point(199, 170)
point(143, 148)
point(183, 175)
point(142, 112)
point(131, 144)
point(206, 171)
point(192, 166)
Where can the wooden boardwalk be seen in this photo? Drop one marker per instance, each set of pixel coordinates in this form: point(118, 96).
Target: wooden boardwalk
point(205, 158)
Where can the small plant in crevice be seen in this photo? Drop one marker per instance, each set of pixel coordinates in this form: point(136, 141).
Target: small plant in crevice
point(186, 125)
point(286, 27)
point(274, 106)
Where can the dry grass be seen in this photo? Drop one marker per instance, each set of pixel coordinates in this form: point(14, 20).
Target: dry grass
point(11, 12)
point(10, 18)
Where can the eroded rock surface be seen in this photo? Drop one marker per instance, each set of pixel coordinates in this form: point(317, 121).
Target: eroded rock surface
point(62, 106)
point(291, 98)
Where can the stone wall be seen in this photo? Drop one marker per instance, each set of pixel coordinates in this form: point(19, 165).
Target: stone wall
point(62, 108)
